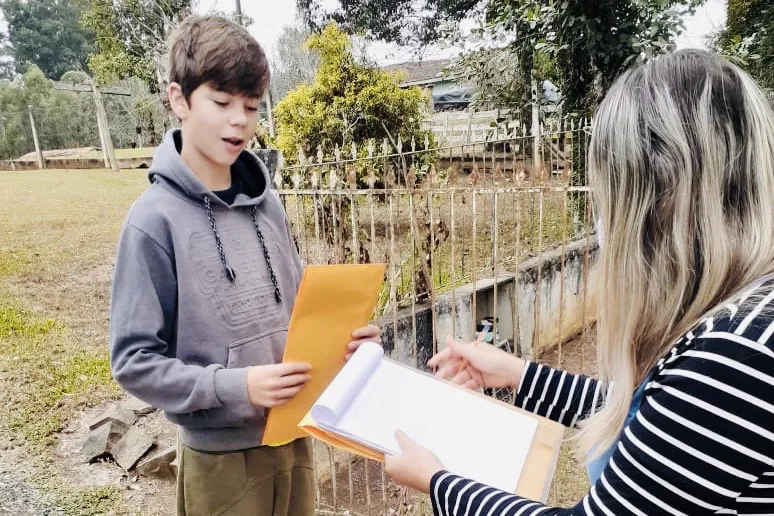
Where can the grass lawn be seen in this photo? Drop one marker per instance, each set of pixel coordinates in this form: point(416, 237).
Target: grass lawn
point(57, 244)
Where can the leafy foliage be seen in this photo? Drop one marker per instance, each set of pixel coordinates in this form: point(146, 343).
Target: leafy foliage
point(293, 63)
point(498, 83)
point(589, 42)
point(47, 33)
point(748, 39)
point(66, 119)
point(348, 102)
point(131, 35)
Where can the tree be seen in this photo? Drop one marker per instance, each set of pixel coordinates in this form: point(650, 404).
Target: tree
point(7, 66)
point(292, 64)
point(63, 119)
point(67, 119)
point(47, 33)
point(498, 81)
point(591, 42)
point(131, 37)
point(347, 102)
point(748, 38)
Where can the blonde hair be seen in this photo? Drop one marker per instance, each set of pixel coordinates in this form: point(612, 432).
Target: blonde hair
point(681, 164)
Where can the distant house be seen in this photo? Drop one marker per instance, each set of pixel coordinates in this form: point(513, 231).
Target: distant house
point(447, 93)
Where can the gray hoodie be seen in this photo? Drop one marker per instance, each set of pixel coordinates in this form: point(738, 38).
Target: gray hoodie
point(197, 298)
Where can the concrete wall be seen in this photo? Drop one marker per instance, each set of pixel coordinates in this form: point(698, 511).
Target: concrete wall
point(270, 158)
point(533, 310)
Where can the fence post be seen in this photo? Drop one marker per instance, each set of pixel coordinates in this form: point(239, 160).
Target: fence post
point(104, 130)
point(470, 121)
point(269, 114)
point(535, 127)
point(41, 162)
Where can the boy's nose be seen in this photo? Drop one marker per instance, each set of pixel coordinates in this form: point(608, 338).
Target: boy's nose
point(239, 117)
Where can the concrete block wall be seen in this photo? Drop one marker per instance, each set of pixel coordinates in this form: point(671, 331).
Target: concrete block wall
point(539, 304)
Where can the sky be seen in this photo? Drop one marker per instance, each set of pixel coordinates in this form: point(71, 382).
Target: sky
point(270, 16)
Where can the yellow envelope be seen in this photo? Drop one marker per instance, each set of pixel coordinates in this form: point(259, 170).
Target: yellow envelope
point(309, 425)
point(332, 301)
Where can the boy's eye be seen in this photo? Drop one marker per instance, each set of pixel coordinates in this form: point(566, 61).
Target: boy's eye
point(251, 108)
point(221, 103)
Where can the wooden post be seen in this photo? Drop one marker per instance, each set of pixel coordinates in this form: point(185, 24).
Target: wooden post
point(239, 11)
point(41, 162)
point(102, 143)
point(269, 114)
point(102, 124)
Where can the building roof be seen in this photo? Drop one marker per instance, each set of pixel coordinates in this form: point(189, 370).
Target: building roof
point(420, 72)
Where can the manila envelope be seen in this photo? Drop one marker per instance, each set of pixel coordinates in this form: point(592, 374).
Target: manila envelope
point(332, 302)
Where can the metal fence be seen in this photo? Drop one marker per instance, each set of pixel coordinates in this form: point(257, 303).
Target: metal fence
point(448, 221)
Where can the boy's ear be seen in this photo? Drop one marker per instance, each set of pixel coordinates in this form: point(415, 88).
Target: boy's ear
point(177, 101)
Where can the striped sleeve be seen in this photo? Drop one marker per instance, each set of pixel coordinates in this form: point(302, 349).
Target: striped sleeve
point(558, 395)
point(702, 443)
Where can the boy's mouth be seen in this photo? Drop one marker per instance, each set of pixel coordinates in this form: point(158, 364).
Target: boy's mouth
point(234, 141)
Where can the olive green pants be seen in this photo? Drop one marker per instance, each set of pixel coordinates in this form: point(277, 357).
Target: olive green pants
point(263, 481)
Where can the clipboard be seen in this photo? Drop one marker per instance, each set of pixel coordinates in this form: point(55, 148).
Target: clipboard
point(539, 456)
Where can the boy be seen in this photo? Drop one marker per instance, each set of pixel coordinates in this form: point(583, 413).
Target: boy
point(204, 285)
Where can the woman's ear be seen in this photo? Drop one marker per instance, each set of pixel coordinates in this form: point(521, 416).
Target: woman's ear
point(177, 101)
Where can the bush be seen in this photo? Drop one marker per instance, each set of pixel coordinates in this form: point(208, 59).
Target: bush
point(348, 102)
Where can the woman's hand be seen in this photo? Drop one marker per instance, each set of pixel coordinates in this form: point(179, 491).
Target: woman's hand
point(414, 467)
point(485, 365)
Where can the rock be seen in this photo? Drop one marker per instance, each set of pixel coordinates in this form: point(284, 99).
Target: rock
point(117, 432)
point(97, 443)
point(159, 465)
point(102, 439)
point(132, 446)
point(119, 415)
point(139, 407)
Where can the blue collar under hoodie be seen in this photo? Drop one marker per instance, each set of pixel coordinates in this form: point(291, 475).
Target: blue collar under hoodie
point(201, 292)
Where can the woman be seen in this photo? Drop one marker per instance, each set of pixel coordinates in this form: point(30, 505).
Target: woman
point(682, 172)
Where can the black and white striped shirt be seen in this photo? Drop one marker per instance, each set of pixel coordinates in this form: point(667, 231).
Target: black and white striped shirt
point(701, 443)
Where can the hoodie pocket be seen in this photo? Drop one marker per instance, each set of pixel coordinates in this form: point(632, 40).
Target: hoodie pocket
point(261, 349)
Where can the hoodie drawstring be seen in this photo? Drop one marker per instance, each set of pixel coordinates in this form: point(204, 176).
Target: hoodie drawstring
point(230, 272)
point(277, 294)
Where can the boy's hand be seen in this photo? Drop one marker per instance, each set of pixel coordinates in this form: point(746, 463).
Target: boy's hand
point(368, 333)
point(273, 385)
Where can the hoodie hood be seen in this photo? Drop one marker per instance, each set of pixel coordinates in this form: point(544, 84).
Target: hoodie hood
point(169, 169)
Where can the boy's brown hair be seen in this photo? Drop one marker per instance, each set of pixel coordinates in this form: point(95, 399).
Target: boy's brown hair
point(216, 51)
